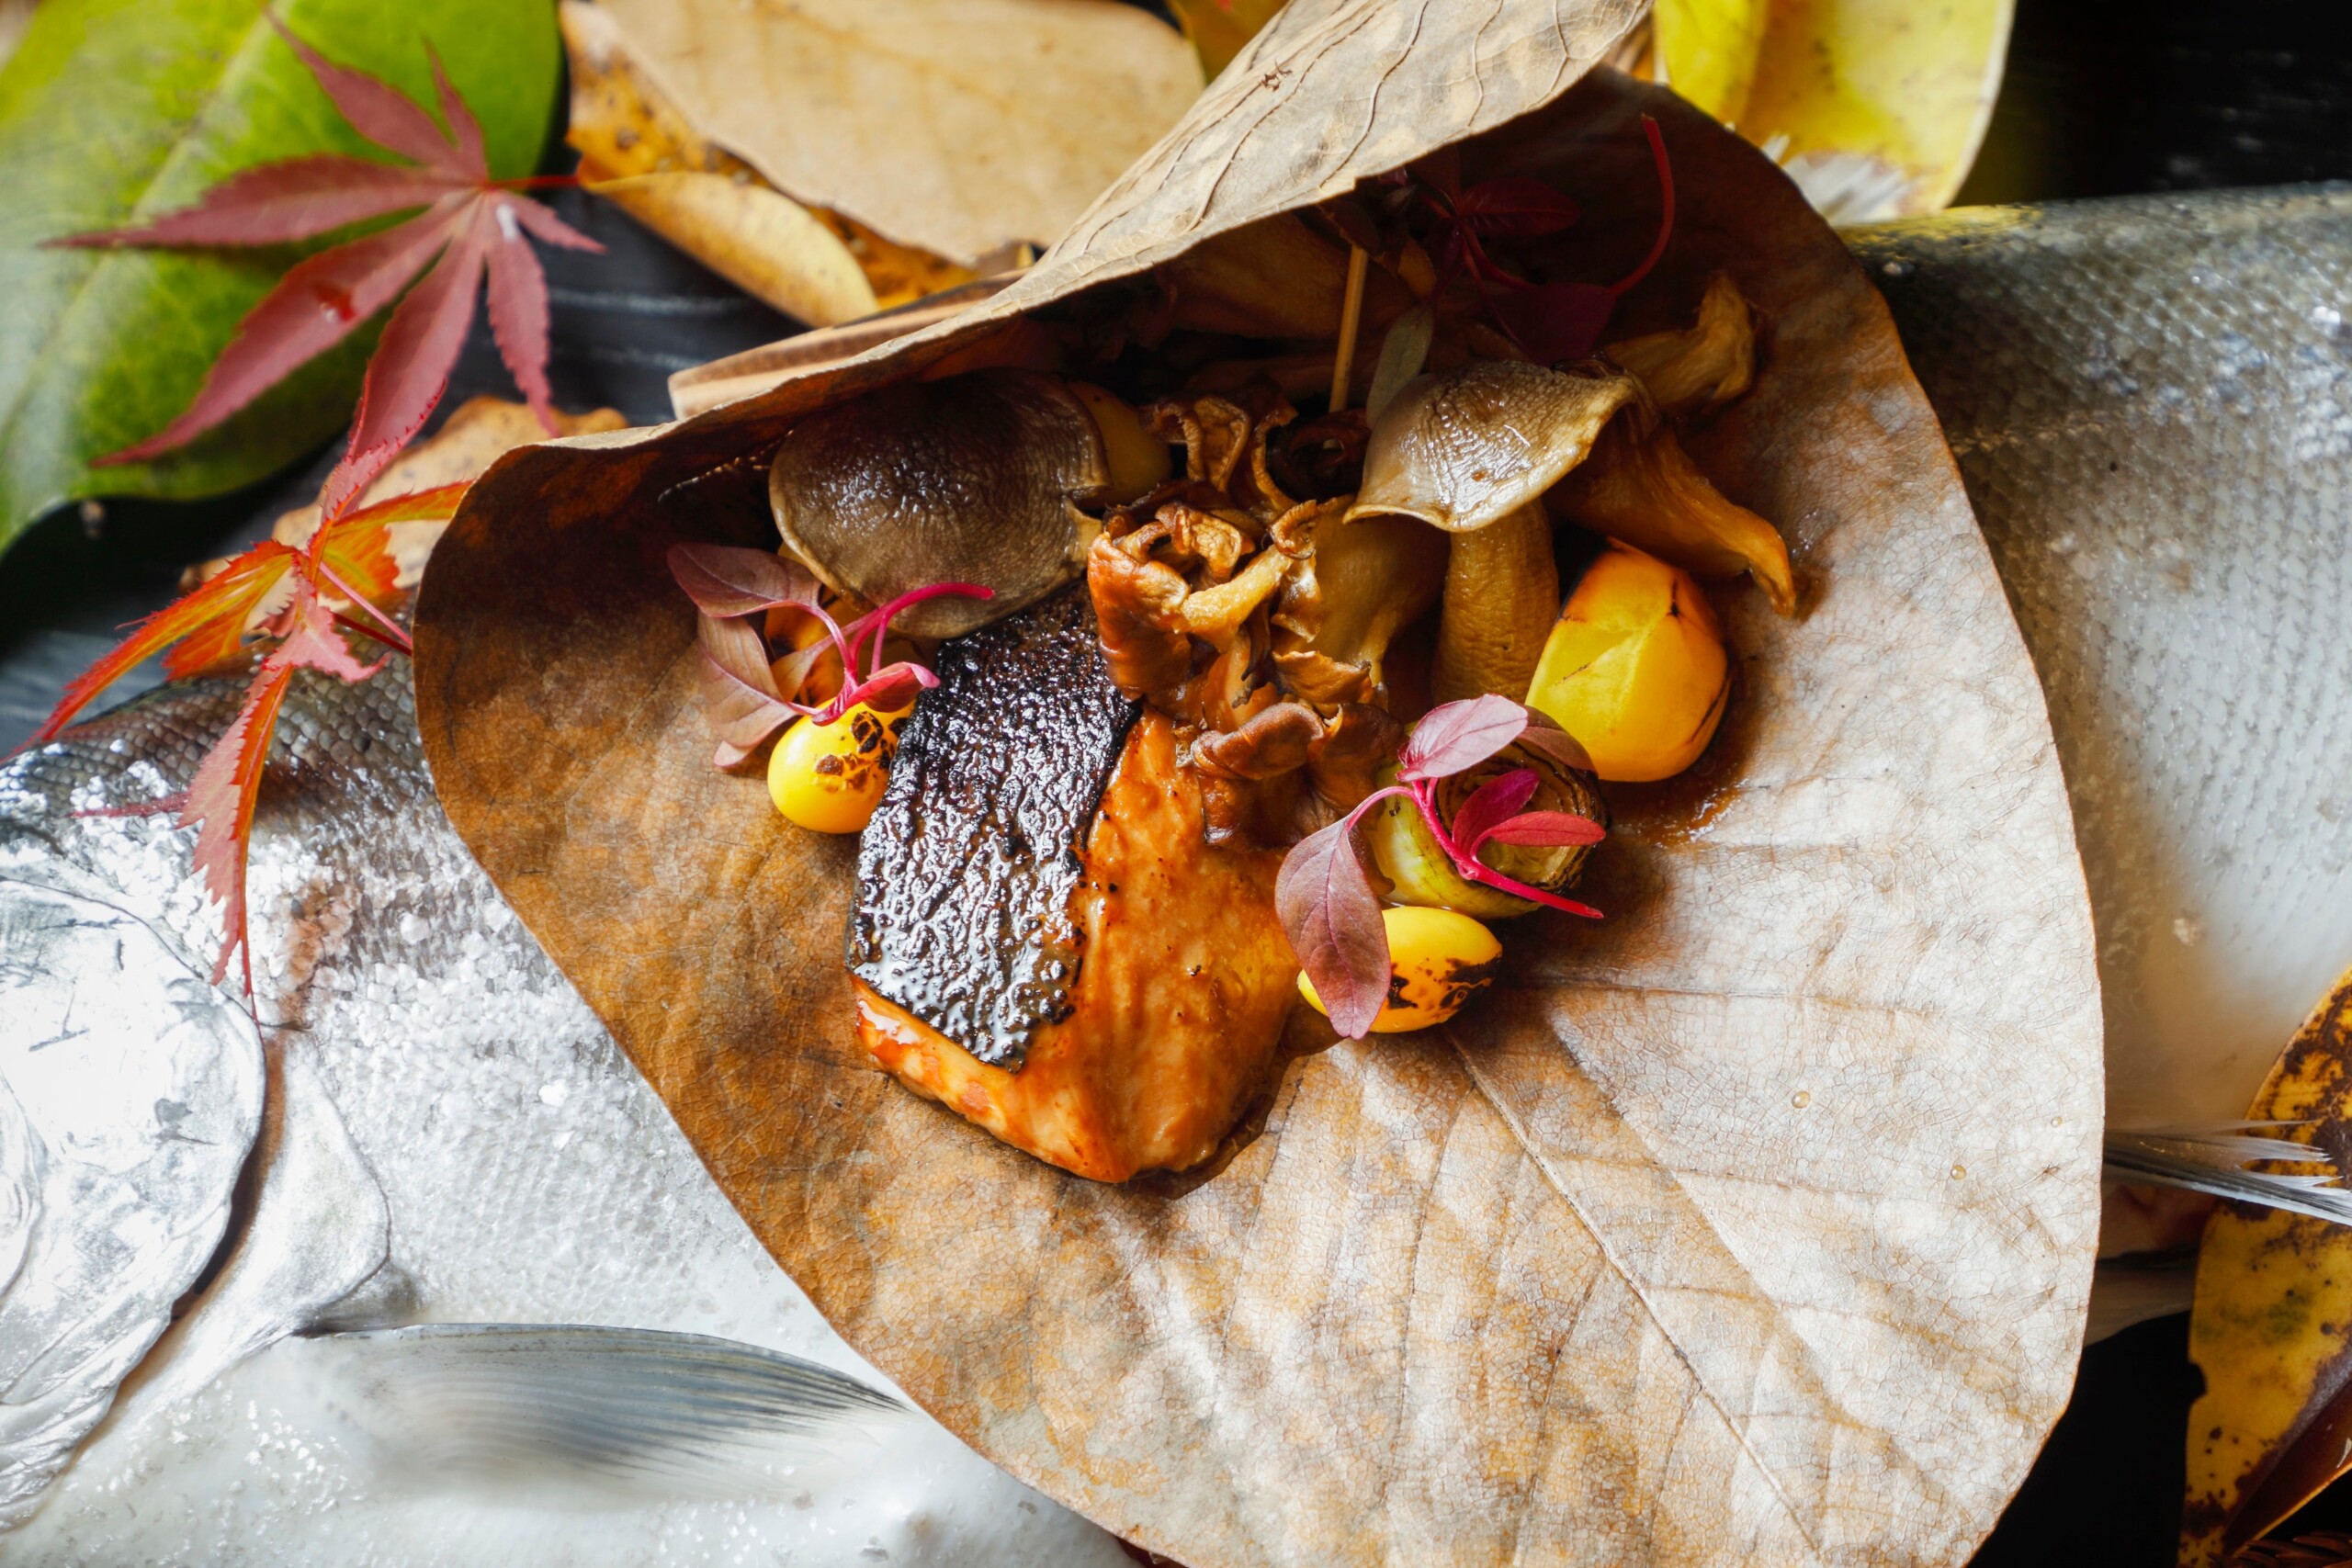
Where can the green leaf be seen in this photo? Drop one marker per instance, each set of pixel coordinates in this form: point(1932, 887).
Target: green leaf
point(113, 111)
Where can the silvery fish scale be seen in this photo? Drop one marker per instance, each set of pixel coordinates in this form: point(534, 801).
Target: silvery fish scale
point(529, 1172)
point(2151, 401)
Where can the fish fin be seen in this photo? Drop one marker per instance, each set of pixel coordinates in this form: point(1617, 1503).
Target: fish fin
point(2213, 1160)
point(622, 1409)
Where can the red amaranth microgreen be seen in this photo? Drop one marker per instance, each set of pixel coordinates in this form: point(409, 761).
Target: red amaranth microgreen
point(1326, 902)
point(747, 698)
point(1551, 321)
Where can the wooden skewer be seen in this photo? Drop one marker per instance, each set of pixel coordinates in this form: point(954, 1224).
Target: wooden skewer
point(1350, 318)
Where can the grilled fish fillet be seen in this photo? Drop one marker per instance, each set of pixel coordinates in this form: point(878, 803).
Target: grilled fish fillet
point(995, 854)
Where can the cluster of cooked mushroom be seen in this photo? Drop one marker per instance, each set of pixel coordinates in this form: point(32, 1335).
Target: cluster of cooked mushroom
point(1261, 618)
point(1267, 582)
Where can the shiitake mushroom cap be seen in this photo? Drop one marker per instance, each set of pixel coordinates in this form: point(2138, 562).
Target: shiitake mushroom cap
point(972, 479)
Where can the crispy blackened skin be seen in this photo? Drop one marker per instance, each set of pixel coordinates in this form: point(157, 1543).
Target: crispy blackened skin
point(965, 872)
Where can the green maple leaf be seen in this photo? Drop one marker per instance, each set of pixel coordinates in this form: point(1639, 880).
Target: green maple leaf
point(115, 111)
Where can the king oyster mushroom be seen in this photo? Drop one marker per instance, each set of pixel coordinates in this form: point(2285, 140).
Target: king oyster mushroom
point(972, 478)
point(1476, 451)
point(1472, 452)
point(1692, 372)
point(1363, 584)
point(1639, 487)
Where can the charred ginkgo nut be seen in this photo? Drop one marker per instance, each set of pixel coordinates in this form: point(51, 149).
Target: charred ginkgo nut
point(1437, 961)
point(1635, 668)
point(1139, 460)
point(829, 777)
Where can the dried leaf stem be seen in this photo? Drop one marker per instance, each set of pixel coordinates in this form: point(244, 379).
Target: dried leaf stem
point(1351, 321)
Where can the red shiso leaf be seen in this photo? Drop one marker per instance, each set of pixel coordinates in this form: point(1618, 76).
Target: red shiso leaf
point(886, 691)
point(1495, 801)
point(1454, 736)
point(1547, 739)
point(739, 697)
point(876, 622)
point(1666, 216)
point(1515, 206)
point(1555, 322)
point(1549, 830)
point(792, 671)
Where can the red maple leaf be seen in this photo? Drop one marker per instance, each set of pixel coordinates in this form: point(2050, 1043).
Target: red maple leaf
point(219, 800)
point(476, 226)
point(342, 581)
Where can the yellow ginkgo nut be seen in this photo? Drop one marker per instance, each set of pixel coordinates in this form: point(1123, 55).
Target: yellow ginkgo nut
point(1437, 961)
point(1635, 668)
point(829, 777)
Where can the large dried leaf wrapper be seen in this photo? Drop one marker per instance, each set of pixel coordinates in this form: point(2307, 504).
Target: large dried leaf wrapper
point(1752, 1225)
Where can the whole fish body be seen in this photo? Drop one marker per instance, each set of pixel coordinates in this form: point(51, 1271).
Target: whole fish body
point(2151, 401)
point(527, 1174)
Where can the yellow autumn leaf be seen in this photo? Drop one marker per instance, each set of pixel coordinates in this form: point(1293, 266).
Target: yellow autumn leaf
point(1706, 51)
point(2273, 1321)
point(1219, 28)
point(1875, 107)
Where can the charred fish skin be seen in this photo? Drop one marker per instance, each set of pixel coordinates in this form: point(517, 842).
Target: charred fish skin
point(965, 873)
point(2150, 400)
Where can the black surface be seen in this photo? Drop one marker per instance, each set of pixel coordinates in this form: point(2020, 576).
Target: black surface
point(2107, 1488)
point(2109, 97)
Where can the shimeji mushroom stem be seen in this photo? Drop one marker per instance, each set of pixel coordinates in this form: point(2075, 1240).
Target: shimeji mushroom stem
point(1502, 593)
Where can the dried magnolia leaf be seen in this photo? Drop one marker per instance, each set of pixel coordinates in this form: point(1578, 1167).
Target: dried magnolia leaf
point(1752, 1225)
point(2273, 1320)
point(639, 150)
point(959, 126)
